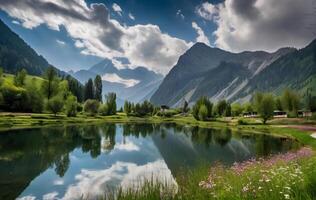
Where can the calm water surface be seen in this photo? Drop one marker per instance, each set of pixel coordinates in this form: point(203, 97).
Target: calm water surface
point(75, 161)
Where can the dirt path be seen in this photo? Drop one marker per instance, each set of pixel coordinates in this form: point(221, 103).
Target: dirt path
point(304, 128)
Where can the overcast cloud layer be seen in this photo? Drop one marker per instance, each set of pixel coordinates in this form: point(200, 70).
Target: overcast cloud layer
point(96, 34)
point(261, 24)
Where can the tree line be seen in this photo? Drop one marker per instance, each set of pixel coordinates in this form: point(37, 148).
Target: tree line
point(263, 104)
point(54, 94)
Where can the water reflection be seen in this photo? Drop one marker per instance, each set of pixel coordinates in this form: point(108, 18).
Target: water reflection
point(68, 162)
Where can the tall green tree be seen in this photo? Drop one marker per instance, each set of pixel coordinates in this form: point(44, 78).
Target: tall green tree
point(75, 88)
point(290, 101)
point(196, 108)
point(310, 100)
point(98, 88)
point(111, 103)
point(266, 107)
point(19, 78)
point(89, 90)
point(221, 107)
point(50, 84)
point(257, 98)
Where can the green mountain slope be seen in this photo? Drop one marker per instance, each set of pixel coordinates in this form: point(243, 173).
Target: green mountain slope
point(192, 76)
point(296, 70)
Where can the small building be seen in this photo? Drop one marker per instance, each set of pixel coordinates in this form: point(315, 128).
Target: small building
point(279, 114)
point(304, 113)
point(250, 114)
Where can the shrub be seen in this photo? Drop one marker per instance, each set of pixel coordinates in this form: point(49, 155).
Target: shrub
point(103, 109)
point(203, 113)
point(55, 104)
point(196, 109)
point(91, 106)
point(71, 106)
point(242, 122)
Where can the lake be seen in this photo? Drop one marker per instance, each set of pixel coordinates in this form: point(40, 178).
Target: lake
point(91, 160)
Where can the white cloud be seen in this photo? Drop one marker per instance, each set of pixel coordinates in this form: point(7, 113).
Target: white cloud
point(92, 183)
point(28, 197)
point(58, 182)
point(114, 78)
point(50, 196)
point(97, 34)
point(131, 16)
point(127, 146)
point(15, 22)
point(117, 9)
point(60, 42)
point(263, 24)
point(207, 10)
point(201, 35)
point(179, 13)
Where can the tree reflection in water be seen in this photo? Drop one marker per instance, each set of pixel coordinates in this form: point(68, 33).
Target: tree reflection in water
point(25, 154)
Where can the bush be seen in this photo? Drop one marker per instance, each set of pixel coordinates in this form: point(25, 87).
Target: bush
point(91, 106)
point(203, 113)
point(55, 104)
point(203, 101)
point(71, 106)
point(103, 110)
point(14, 98)
point(242, 122)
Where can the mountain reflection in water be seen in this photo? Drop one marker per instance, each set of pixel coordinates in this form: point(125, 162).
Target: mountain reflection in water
point(74, 161)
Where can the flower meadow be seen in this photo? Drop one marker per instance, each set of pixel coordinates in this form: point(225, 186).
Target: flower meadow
point(291, 175)
point(284, 176)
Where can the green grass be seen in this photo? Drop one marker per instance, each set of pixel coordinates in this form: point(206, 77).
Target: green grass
point(9, 79)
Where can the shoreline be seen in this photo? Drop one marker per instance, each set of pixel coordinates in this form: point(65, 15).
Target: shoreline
point(18, 121)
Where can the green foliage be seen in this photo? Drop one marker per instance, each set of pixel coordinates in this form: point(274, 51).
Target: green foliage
point(228, 110)
point(196, 108)
point(91, 106)
point(203, 113)
point(63, 89)
point(75, 88)
point(89, 90)
point(35, 97)
point(111, 103)
point(103, 109)
point(50, 85)
point(242, 122)
point(71, 106)
point(237, 109)
point(290, 101)
point(310, 100)
point(127, 107)
point(19, 79)
point(98, 88)
point(257, 98)
point(146, 108)
point(55, 104)
point(14, 98)
point(167, 113)
point(266, 107)
point(221, 107)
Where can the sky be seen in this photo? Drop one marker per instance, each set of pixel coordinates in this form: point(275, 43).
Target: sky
point(76, 34)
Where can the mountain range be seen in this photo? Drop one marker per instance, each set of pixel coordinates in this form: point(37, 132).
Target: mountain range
point(135, 85)
point(219, 74)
